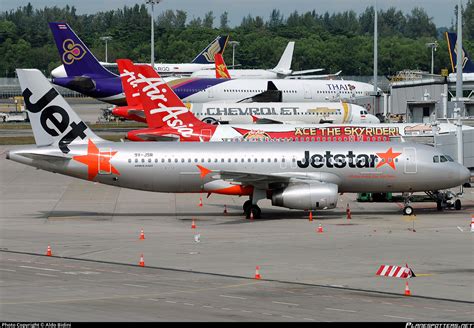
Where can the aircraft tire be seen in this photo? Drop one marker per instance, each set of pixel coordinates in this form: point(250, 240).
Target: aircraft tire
point(247, 205)
point(439, 206)
point(457, 204)
point(257, 212)
point(408, 210)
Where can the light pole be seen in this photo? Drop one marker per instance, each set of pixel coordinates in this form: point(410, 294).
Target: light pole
point(106, 39)
point(233, 43)
point(434, 47)
point(153, 2)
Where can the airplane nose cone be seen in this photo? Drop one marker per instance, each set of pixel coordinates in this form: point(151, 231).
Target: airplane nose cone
point(464, 175)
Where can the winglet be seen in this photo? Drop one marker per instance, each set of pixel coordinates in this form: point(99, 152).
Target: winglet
point(204, 171)
point(254, 118)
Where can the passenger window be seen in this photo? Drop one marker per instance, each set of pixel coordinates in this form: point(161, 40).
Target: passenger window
point(136, 160)
point(129, 160)
point(143, 160)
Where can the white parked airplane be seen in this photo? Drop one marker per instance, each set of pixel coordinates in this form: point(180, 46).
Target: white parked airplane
point(281, 71)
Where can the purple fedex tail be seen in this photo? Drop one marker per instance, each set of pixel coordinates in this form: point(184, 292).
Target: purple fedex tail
point(76, 57)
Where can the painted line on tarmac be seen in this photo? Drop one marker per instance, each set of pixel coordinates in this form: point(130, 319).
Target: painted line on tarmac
point(139, 286)
point(397, 317)
point(237, 297)
point(294, 283)
point(45, 269)
point(342, 310)
point(45, 274)
point(283, 303)
point(7, 270)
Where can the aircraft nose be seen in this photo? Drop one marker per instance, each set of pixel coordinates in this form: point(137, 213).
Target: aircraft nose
point(464, 174)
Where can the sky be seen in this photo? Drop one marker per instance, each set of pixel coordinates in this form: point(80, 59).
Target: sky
point(442, 11)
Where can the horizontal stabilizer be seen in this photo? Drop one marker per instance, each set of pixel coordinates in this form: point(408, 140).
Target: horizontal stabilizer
point(137, 112)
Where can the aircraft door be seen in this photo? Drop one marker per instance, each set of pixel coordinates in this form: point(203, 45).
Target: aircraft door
point(210, 93)
point(104, 157)
point(409, 154)
point(307, 91)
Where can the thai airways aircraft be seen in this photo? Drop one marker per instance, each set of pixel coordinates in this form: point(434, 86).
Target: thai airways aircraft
point(87, 76)
point(204, 60)
point(234, 113)
point(281, 71)
point(305, 176)
point(467, 65)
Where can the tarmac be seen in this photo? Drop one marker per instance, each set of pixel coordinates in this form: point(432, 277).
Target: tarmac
point(306, 276)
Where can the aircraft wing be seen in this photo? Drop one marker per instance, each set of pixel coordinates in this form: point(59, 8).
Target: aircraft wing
point(270, 180)
point(314, 77)
point(307, 71)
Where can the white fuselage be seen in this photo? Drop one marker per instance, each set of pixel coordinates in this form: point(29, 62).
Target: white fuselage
point(240, 74)
point(230, 90)
point(291, 113)
point(164, 69)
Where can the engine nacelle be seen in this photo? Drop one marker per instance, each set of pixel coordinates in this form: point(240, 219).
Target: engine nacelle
point(306, 196)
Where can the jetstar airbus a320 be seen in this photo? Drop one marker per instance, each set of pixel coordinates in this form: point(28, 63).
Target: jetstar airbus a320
point(305, 176)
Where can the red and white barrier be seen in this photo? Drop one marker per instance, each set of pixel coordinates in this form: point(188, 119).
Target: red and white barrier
point(395, 271)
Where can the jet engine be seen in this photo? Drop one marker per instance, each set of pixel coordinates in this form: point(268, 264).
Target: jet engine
point(306, 196)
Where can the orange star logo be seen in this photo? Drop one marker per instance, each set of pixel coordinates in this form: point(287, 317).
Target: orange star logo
point(388, 158)
point(96, 160)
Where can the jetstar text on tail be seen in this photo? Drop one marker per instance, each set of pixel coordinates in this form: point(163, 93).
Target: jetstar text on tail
point(350, 159)
point(49, 116)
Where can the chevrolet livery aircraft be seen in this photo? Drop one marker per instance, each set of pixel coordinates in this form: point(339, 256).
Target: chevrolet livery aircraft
point(86, 75)
point(305, 176)
point(234, 113)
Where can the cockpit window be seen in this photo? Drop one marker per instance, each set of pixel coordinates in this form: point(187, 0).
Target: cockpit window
point(443, 159)
point(435, 159)
point(449, 158)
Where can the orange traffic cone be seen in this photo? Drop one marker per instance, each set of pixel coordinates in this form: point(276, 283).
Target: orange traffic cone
point(251, 215)
point(48, 251)
point(225, 209)
point(320, 228)
point(348, 212)
point(311, 216)
point(142, 261)
point(142, 235)
point(193, 225)
point(407, 289)
point(200, 201)
point(257, 273)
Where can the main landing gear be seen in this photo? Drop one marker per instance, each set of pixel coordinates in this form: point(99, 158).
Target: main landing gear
point(407, 209)
point(250, 209)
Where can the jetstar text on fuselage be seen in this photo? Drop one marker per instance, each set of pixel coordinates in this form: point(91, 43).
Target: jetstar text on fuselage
point(338, 160)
